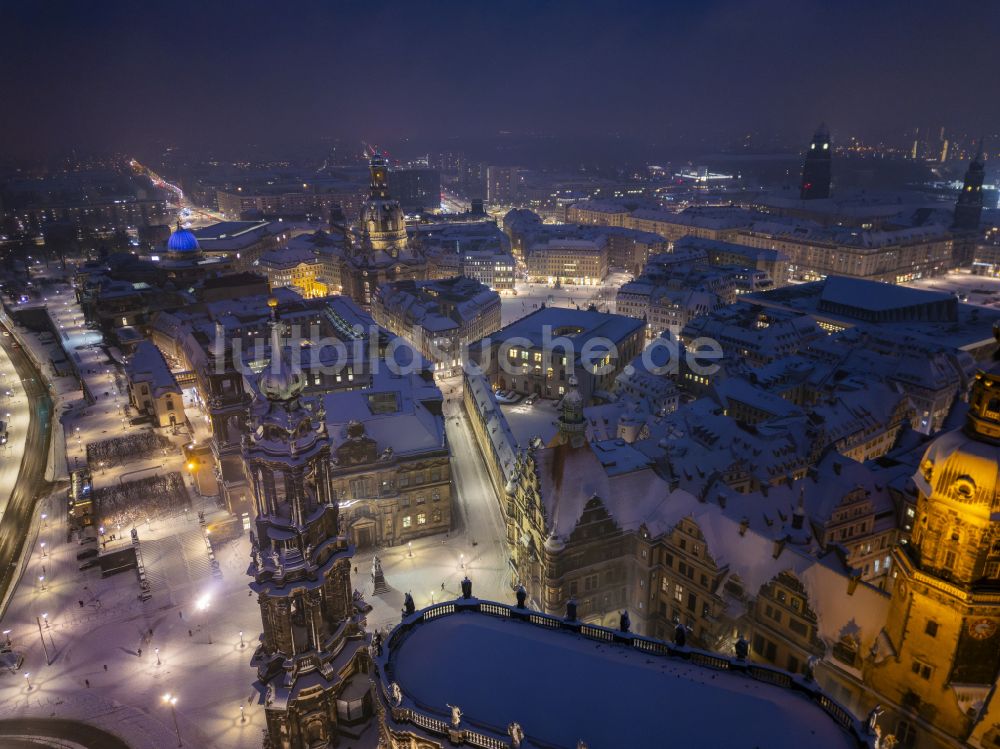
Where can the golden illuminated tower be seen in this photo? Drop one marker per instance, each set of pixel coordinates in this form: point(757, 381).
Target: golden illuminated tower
point(944, 617)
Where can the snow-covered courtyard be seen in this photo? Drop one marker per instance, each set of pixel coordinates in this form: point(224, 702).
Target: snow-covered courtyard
point(530, 296)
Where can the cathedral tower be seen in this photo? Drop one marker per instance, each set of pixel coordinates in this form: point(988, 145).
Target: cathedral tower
point(942, 630)
point(816, 170)
point(969, 207)
point(311, 659)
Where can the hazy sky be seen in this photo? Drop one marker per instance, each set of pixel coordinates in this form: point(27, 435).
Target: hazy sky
point(119, 74)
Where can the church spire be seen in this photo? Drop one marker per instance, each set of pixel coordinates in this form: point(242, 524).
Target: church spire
point(379, 168)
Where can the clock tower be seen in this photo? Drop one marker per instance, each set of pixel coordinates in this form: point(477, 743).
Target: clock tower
point(943, 651)
point(816, 168)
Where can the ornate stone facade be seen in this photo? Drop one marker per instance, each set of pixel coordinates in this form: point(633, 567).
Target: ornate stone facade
point(944, 621)
point(311, 662)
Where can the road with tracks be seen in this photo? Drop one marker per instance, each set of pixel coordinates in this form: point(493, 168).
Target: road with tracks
point(31, 484)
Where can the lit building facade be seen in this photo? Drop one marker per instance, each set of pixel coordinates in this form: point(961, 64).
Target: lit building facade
point(943, 627)
point(568, 261)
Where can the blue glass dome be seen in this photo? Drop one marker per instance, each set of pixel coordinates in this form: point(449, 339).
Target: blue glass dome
point(182, 240)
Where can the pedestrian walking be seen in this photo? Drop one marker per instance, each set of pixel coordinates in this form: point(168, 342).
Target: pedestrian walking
point(140, 652)
point(190, 633)
point(87, 682)
point(105, 666)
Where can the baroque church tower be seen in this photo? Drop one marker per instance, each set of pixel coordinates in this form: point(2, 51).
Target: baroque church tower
point(817, 168)
point(382, 222)
point(380, 251)
point(311, 662)
point(943, 628)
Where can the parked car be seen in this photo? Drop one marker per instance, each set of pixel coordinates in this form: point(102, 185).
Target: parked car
point(87, 554)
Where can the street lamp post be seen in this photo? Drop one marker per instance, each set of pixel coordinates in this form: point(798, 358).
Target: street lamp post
point(409, 548)
point(27, 680)
point(157, 651)
point(242, 644)
point(171, 700)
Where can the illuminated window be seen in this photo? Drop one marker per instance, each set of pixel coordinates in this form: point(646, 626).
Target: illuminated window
point(421, 518)
point(407, 521)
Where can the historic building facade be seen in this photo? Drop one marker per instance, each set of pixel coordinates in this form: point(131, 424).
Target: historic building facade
point(391, 470)
point(312, 660)
point(944, 622)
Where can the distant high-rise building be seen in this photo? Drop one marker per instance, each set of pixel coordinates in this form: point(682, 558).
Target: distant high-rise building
point(416, 188)
point(503, 185)
point(816, 168)
point(969, 207)
point(471, 177)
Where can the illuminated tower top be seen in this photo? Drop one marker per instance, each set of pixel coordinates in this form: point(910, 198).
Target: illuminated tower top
point(379, 168)
point(816, 170)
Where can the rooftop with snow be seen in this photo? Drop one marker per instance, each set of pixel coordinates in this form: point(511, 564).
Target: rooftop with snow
point(563, 682)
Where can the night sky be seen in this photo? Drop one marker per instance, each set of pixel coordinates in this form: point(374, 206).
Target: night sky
point(121, 74)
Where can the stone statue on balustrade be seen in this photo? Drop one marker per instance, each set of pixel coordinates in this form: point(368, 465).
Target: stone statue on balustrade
point(516, 735)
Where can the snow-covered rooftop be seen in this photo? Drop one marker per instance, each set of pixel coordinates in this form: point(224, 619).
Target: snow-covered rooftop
point(562, 686)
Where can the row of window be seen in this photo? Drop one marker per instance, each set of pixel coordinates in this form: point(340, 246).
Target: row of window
point(408, 520)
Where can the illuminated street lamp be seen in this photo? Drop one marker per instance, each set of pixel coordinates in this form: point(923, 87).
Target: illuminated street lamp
point(27, 680)
point(242, 643)
point(157, 651)
point(41, 581)
point(170, 699)
point(42, 546)
point(409, 548)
